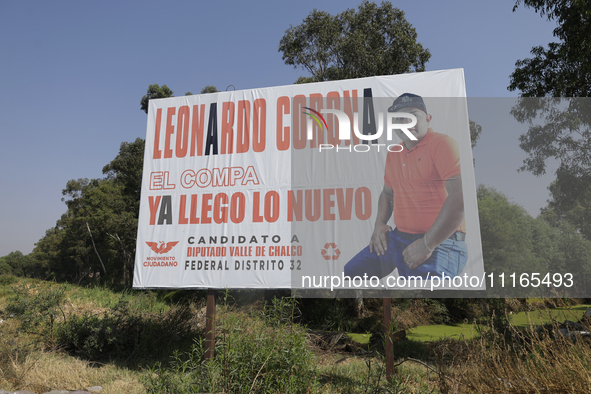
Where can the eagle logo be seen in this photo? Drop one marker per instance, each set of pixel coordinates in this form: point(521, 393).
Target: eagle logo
point(161, 247)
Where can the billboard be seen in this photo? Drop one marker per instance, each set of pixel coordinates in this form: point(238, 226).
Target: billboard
point(281, 187)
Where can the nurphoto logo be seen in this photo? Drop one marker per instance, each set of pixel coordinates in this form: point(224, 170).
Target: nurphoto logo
point(394, 121)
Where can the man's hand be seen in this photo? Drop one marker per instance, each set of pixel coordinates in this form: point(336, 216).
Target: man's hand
point(416, 253)
point(379, 239)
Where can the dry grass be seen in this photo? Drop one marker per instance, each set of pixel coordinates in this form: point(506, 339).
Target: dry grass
point(341, 373)
point(410, 316)
point(518, 362)
point(25, 364)
point(71, 308)
point(43, 371)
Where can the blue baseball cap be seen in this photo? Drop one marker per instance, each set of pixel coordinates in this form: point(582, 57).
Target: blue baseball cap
point(407, 100)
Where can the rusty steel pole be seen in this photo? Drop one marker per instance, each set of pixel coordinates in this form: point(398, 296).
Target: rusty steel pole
point(210, 325)
point(389, 348)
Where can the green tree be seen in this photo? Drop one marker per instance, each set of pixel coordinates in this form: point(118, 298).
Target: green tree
point(98, 231)
point(375, 40)
point(16, 263)
point(5, 268)
point(127, 168)
point(571, 201)
point(506, 231)
point(559, 129)
point(93, 208)
point(47, 253)
point(99, 228)
point(563, 69)
point(209, 89)
point(475, 131)
point(10, 264)
point(155, 92)
point(513, 241)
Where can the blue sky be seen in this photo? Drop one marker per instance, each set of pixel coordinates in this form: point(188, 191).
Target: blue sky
point(72, 74)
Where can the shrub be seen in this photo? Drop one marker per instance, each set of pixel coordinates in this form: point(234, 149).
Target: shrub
point(37, 310)
point(252, 355)
point(7, 279)
point(329, 314)
point(525, 362)
point(123, 332)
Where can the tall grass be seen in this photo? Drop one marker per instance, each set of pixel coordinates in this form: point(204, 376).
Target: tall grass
point(133, 337)
point(517, 361)
point(129, 331)
point(252, 355)
point(127, 335)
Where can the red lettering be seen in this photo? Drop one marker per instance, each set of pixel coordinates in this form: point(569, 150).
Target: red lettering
point(182, 132)
point(206, 208)
point(169, 132)
point(328, 204)
point(259, 125)
point(294, 205)
point(243, 128)
point(237, 207)
point(220, 208)
point(157, 152)
point(182, 217)
point(282, 132)
point(256, 216)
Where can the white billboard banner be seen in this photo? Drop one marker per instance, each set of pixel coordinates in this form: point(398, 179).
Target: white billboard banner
point(258, 188)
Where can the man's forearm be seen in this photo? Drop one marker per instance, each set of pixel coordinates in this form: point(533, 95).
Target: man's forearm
point(384, 209)
point(451, 215)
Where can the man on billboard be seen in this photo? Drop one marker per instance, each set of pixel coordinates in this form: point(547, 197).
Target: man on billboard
point(423, 191)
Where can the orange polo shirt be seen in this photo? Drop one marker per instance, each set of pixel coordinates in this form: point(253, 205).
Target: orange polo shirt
point(417, 177)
